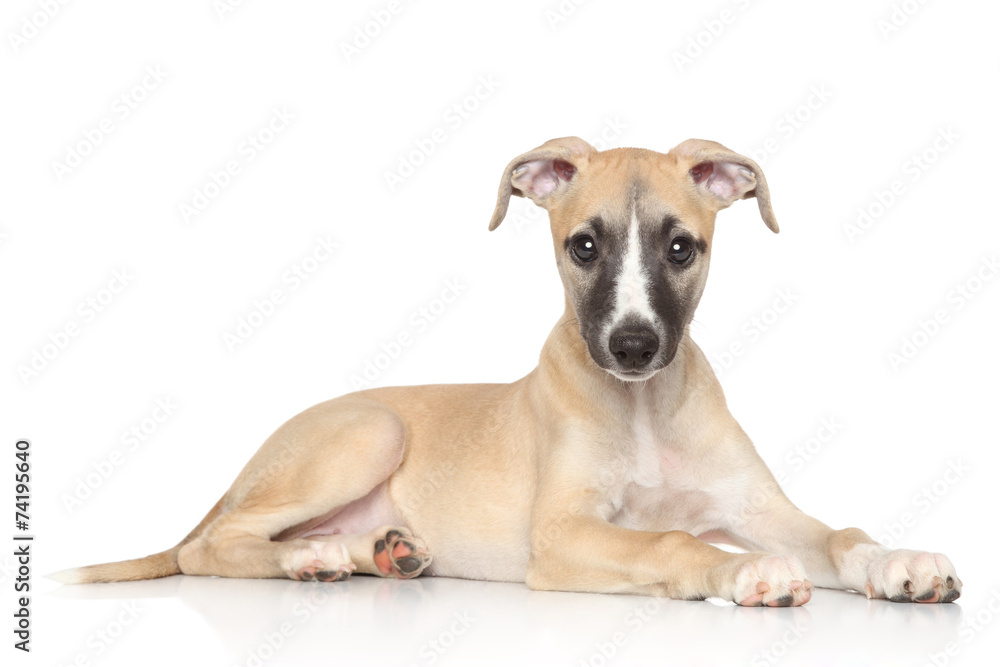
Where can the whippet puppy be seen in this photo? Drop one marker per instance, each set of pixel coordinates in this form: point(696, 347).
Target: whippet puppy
point(609, 468)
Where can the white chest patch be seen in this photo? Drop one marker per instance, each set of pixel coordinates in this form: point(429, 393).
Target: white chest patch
point(656, 485)
point(636, 463)
point(645, 469)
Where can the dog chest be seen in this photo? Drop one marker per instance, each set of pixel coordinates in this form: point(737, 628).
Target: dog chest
point(654, 483)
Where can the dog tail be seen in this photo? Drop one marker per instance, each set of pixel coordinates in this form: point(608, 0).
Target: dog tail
point(163, 564)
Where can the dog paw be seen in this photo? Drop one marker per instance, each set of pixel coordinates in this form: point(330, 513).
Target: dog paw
point(320, 562)
point(913, 576)
point(772, 581)
point(399, 554)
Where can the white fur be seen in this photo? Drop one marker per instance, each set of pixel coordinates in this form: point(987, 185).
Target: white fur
point(886, 572)
point(329, 556)
point(632, 284)
point(71, 576)
point(777, 572)
point(645, 470)
point(635, 463)
point(854, 568)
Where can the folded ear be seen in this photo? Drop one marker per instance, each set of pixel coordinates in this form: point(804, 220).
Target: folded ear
point(722, 176)
point(542, 175)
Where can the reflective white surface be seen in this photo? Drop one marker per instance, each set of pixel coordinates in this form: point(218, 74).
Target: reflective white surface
point(429, 621)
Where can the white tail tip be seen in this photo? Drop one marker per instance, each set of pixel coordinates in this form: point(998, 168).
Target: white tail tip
point(70, 576)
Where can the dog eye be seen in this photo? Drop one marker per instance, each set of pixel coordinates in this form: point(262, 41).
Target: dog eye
point(585, 249)
point(680, 251)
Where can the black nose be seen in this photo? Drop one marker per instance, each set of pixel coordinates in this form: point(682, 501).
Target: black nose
point(633, 348)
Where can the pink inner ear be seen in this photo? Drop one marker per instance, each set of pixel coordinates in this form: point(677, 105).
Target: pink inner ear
point(539, 178)
point(701, 171)
point(726, 180)
point(564, 170)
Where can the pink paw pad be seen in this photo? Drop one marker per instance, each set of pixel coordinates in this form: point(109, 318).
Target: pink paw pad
point(400, 555)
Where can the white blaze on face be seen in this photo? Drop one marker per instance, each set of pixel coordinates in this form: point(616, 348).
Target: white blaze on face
point(632, 284)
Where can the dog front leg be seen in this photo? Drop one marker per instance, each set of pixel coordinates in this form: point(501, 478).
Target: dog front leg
point(580, 551)
point(846, 559)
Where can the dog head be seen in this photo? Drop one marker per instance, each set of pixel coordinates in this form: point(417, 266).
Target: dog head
point(632, 230)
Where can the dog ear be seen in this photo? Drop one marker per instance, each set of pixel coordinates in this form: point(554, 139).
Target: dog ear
point(541, 174)
point(723, 176)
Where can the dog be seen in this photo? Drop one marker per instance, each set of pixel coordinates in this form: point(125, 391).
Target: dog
point(610, 468)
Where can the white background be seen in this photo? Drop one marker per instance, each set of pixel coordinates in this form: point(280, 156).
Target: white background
point(832, 103)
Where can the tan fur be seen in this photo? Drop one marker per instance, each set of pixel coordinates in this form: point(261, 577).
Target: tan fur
point(542, 480)
point(155, 566)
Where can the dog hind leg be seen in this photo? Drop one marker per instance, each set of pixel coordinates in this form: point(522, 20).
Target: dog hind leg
point(314, 465)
